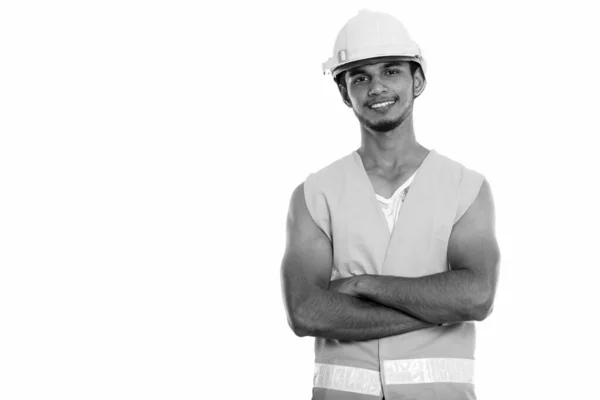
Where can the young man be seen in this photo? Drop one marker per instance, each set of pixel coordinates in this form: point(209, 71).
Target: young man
point(391, 253)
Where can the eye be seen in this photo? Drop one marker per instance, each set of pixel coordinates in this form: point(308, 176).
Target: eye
point(393, 71)
point(360, 79)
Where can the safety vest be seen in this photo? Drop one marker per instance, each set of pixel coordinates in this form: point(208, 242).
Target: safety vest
point(433, 363)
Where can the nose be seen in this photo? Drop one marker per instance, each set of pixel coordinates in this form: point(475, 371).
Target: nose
point(377, 87)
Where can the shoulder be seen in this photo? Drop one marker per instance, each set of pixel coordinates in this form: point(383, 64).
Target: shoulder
point(458, 170)
point(331, 173)
point(323, 177)
point(331, 181)
point(312, 199)
point(470, 186)
point(482, 206)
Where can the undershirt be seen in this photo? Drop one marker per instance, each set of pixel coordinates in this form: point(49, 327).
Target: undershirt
point(391, 206)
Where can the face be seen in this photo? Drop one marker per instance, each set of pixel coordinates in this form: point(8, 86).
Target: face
point(382, 94)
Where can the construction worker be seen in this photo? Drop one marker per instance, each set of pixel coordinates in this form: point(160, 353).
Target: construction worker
point(391, 252)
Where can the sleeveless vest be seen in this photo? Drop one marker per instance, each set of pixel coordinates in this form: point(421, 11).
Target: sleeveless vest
point(432, 363)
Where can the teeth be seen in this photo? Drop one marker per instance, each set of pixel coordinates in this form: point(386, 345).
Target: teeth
point(379, 105)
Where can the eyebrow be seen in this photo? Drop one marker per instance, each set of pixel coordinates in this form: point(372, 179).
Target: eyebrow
point(360, 70)
point(393, 64)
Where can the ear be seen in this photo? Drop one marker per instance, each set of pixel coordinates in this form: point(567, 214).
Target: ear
point(419, 82)
point(344, 93)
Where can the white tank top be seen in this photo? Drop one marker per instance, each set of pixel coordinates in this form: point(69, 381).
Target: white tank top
point(391, 206)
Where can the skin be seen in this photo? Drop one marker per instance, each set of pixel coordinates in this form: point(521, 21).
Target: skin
point(370, 306)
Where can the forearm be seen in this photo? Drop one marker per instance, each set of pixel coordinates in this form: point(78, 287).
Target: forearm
point(448, 297)
point(333, 315)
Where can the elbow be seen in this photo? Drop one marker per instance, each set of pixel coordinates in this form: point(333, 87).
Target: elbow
point(473, 308)
point(482, 309)
point(481, 302)
point(481, 313)
point(298, 322)
point(293, 307)
point(302, 317)
point(300, 329)
point(470, 309)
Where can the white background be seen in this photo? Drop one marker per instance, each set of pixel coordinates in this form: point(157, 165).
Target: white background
point(148, 151)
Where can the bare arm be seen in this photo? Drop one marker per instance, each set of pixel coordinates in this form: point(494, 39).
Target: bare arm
point(465, 292)
point(315, 310)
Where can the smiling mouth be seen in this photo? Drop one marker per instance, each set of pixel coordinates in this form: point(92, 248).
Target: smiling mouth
point(382, 104)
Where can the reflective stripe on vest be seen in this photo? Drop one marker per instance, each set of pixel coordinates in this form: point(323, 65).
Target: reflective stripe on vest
point(428, 370)
point(348, 379)
point(396, 372)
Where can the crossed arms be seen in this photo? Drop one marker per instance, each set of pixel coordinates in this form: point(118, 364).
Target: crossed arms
point(374, 306)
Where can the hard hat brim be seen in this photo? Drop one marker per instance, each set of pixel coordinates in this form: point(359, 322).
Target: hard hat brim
point(374, 60)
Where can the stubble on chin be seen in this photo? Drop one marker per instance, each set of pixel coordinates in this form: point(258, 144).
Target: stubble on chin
point(381, 126)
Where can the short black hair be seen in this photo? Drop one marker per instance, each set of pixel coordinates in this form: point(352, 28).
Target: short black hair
point(339, 79)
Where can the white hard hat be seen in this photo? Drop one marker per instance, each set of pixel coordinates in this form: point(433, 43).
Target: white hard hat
point(370, 35)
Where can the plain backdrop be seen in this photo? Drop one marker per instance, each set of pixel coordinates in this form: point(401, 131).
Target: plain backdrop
point(149, 149)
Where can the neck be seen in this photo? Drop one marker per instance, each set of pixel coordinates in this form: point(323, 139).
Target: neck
point(391, 149)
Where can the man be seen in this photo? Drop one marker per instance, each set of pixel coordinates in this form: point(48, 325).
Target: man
point(391, 253)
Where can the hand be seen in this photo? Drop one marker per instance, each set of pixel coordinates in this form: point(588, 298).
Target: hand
point(344, 286)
